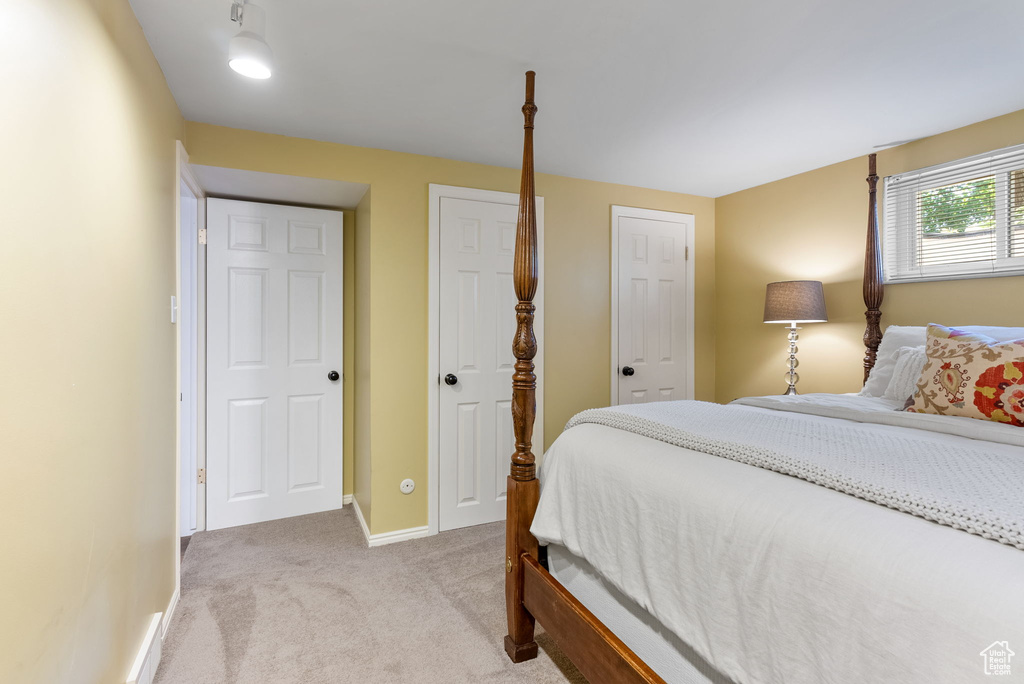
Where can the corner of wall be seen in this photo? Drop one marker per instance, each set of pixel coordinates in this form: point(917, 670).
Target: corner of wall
point(362, 464)
point(348, 364)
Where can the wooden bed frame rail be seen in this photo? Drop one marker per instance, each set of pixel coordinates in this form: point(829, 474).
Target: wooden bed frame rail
point(531, 592)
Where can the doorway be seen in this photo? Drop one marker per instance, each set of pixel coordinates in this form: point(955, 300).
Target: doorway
point(260, 187)
point(652, 285)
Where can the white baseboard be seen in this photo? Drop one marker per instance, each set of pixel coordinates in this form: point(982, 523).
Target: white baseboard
point(398, 536)
point(169, 613)
point(346, 500)
point(148, 659)
point(387, 537)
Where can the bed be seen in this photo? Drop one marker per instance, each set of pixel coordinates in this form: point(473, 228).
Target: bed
point(805, 538)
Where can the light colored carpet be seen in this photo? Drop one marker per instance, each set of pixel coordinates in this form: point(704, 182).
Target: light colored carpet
point(304, 600)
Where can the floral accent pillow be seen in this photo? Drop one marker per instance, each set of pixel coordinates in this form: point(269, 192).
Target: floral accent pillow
point(968, 374)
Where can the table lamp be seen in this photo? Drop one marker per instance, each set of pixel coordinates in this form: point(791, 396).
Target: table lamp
point(792, 302)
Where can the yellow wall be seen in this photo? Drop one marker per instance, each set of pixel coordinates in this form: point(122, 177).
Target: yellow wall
point(577, 266)
point(812, 226)
point(87, 354)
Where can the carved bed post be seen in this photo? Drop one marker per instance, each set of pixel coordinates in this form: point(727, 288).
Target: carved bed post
point(523, 488)
point(873, 289)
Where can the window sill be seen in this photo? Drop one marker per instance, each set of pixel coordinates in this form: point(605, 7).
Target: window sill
point(947, 276)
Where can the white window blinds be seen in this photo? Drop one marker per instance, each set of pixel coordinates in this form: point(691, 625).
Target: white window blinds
point(964, 219)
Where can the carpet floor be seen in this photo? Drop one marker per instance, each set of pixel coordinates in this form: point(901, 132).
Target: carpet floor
point(304, 600)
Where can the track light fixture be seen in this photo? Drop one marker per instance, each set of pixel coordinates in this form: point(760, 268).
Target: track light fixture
point(248, 52)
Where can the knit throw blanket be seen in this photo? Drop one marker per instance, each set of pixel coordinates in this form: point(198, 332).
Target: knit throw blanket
point(952, 481)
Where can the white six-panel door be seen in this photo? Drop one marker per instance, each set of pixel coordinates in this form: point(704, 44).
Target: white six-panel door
point(653, 282)
point(476, 323)
point(274, 312)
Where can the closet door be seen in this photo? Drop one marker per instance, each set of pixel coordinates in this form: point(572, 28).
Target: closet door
point(274, 358)
point(476, 326)
point(652, 306)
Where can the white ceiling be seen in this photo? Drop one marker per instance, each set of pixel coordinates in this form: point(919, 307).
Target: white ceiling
point(699, 96)
point(278, 188)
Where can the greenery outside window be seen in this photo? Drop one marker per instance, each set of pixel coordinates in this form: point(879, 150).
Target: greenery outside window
point(964, 219)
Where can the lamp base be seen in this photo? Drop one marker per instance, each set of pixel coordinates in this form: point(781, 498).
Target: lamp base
point(791, 375)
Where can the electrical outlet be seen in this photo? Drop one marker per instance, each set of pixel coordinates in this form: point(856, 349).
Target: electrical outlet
point(407, 486)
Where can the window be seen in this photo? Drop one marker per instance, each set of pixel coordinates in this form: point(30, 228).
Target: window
point(964, 219)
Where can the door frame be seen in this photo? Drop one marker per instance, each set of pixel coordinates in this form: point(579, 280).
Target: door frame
point(690, 232)
point(188, 357)
point(194, 273)
point(437, 193)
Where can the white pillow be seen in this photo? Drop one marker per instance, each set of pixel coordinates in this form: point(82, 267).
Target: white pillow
point(897, 336)
point(907, 371)
point(997, 333)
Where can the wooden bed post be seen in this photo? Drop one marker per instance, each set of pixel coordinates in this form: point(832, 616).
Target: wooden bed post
point(523, 488)
point(873, 289)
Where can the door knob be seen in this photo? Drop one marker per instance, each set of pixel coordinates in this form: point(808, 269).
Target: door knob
point(450, 379)
point(333, 376)
point(627, 371)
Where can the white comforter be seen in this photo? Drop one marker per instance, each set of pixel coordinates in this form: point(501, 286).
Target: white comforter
point(773, 579)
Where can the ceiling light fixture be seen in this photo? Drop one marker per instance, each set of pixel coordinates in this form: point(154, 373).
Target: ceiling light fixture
point(248, 52)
